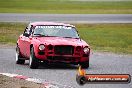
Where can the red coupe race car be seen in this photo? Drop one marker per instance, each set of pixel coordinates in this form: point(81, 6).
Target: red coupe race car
point(51, 42)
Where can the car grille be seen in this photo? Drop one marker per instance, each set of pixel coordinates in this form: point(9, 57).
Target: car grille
point(63, 58)
point(64, 50)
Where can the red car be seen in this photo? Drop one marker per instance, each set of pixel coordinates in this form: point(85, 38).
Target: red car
point(51, 42)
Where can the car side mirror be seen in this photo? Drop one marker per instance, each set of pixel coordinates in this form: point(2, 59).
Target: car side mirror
point(26, 34)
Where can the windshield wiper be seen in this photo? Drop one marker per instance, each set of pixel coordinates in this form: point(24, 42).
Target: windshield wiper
point(39, 35)
point(50, 36)
point(70, 37)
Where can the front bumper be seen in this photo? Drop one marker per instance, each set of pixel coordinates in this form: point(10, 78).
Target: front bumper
point(63, 58)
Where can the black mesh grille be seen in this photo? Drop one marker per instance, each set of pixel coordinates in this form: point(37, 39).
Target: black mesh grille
point(64, 50)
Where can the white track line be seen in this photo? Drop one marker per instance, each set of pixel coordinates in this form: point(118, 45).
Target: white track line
point(40, 81)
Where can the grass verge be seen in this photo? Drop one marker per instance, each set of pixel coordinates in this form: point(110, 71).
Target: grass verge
point(9, 32)
point(108, 37)
point(64, 6)
point(115, 38)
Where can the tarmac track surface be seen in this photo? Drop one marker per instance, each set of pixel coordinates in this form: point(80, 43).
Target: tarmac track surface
point(100, 63)
point(67, 18)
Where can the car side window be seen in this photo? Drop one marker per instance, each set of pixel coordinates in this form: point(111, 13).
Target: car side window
point(26, 30)
point(31, 29)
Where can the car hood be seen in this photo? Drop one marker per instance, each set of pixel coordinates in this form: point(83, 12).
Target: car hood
point(61, 41)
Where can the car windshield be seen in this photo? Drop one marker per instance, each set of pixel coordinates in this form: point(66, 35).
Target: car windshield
point(56, 31)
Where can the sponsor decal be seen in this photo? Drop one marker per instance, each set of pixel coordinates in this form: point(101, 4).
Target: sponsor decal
point(52, 27)
point(83, 78)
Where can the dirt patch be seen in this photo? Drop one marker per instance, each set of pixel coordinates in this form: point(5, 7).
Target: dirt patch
point(8, 82)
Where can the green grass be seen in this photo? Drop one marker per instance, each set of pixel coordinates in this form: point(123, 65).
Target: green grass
point(108, 37)
point(9, 32)
point(63, 6)
point(115, 38)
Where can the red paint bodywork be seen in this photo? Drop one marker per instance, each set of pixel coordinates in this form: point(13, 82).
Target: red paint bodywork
point(25, 44)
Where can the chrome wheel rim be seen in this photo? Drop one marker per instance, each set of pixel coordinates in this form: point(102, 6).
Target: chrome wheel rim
point(17, 53)
point(16, 56)
point(30, 60)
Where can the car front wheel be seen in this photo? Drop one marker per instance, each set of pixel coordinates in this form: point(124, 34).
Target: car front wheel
point(19, 59)
point(33, 62)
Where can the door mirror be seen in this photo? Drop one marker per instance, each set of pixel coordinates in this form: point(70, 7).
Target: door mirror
point(26, 34)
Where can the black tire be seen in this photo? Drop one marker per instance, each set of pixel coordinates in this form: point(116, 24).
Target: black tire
point(19, 59)
point(85, 64)
point(33, 61)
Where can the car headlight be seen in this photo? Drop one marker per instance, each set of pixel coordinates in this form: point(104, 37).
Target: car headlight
point(41, 47)
point(86, 50)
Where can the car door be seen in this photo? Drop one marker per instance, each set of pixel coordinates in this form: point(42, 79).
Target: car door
point(22, 39)
point(27, 41)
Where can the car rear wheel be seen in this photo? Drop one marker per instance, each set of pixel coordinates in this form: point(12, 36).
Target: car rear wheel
point(85, 64)
point(33, 62)
point(19, 59)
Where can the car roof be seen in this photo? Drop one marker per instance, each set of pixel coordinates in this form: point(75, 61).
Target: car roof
point(50, 23)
